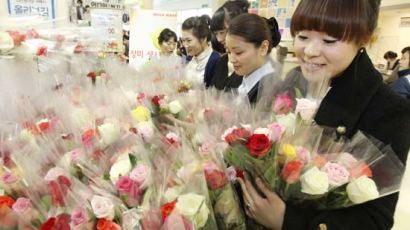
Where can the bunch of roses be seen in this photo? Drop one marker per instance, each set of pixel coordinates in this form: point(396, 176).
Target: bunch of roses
point(131, 178)
point(254, 152)
point(331, 183)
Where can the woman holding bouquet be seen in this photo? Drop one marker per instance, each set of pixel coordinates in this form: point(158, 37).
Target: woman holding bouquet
point(248, 44)
point(330, 36)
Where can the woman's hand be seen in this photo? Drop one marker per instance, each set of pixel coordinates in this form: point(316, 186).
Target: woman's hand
point(268, 211)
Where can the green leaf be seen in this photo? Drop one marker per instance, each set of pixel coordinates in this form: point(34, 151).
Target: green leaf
point(133, 160)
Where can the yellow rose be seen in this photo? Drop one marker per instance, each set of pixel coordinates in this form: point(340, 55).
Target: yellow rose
point(289, 151)
point(141, 113)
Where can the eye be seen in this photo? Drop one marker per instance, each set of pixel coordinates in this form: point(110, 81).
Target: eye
point(330, 41)
point(302, 37)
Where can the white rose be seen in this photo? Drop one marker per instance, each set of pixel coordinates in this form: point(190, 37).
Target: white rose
point(306, 108)
point(193, 206)
point(172, 193)
point(361, 190)
point(6, 42)
point(314, 182)
point(175, 107)
point(120, 168)
point(102, 207)
point(287, 121)
point(109, 133)
point(264, 131)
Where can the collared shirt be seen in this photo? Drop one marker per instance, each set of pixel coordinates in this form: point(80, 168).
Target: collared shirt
point(196, 67)
point(251, 80)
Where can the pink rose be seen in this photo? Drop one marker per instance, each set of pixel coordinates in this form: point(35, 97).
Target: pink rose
point(8, 178)
point(206, 148)
point(303, 155)
point(172, 138)
point(75, 155)
point(124, 184)
point(141, 174)
point(54, 173)
point(276, 131)
point(177, 221)
point(231, 173)
point(337, 174)
point(283, 104)
point(79, 217)
point(306, 108)
point(21, 205)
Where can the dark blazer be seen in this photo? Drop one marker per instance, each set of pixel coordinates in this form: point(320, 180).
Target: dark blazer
point(221, 80)
point(358, 100)
point(210, 68)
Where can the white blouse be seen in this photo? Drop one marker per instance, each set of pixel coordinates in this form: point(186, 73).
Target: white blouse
point(195, 70)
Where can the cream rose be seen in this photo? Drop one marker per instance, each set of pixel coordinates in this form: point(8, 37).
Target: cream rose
point(109, 133)
point(314, 182)
point(306, 108)
point(361, 190)
point(193, 206)
point(102, 207)
point(120, 168)
point(172, 193)
point(227, 207)
point(6, 42)
point(287, 121)
point(175, 107)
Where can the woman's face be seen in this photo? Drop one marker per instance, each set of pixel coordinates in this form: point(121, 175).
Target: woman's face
point(322, 56)
point(244, 56)
point(168, 47)
point(405, 61)
point(192, 44)
point(221, 36)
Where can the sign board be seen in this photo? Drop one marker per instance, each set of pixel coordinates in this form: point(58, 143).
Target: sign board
point(44, 8)
point(145, 27)
point(109, 22)
point(106, 5)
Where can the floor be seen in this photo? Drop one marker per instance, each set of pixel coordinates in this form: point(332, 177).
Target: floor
point(402, 217)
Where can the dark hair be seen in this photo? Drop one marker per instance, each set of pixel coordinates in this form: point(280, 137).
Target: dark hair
point(390, 54)
point(347, 20)
point(199, 26)
point(165, 35)
point(255, 29)
point(406, 50)
point(228, 11)
point(217, 46)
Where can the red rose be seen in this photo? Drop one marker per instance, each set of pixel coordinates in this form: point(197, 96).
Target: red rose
point(259, 145)
point(240, 173)
point(104, 224)
point(58, 190)
point(41, 51)
point(166, 209)
point(156, 99)
point(240, 135)
point(61, 222)
point(291, 171)
point(6, 201)
point(215, 178)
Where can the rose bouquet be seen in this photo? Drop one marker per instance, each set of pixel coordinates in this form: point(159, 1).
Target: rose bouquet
point(333, 174)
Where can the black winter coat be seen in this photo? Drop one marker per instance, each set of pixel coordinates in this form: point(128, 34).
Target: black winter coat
point(358, 100)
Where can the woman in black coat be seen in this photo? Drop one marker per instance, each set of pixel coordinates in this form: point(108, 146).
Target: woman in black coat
point(329, 39)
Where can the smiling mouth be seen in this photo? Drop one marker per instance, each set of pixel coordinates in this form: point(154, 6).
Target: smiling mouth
point(312, 66)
